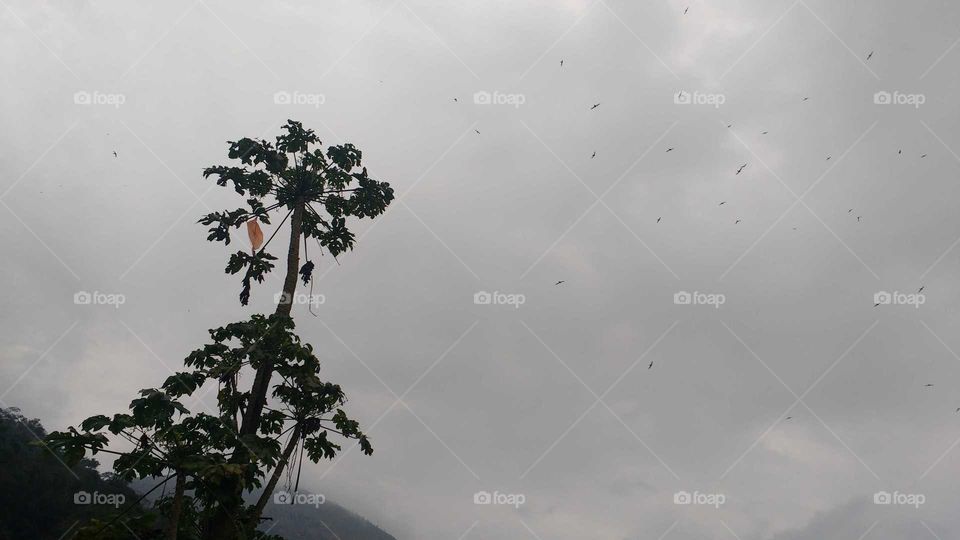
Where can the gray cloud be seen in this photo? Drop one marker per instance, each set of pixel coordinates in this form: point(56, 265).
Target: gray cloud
point(514, 209)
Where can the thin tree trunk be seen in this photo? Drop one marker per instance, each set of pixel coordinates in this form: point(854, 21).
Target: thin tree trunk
point(261, 383)
point(277, 472)
point(173, 523)
point(224, 524)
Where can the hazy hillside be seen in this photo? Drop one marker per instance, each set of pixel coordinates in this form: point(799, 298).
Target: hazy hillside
point(328, 521)
point(38, 495)
point(40, 498)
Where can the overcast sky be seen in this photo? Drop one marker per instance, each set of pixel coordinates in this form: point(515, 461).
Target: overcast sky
point(793, 402)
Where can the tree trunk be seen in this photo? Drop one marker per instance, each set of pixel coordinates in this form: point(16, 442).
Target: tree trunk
point(261, 383)
point(173, 523)
point(224, 525)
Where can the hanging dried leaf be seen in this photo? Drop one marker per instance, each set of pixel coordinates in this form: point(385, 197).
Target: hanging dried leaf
point(256, 234)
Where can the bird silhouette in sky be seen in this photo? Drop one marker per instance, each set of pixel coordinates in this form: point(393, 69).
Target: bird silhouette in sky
point(789, 418)
point(686, 10)
point(870, 55)
point(478, 131)
point(806, 99)
point(859, 218)
point(659, 218)
point(828, 158)
point(559, 282)
point(593, 155)
point(651, 365)
point(850, 210)
point(114, 153)
point(877, 304)
point(729, 125)
point(669, 149)
point(722, 203)
point(920, 290)
point(765, 132)
point(595, 105)
point(928, 385)
point(455, 99)
point(923, 156)
point(742, 167)
point(900, 151)
point(561, 63)
point(737, 221)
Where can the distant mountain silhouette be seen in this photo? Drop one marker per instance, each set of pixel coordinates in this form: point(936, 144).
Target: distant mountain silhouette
point(41, 499)
point(326, 521)
point(303, 522)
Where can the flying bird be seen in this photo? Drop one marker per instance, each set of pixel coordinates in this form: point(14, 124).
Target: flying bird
point(870, 55)
point(737, 221)
point(850, 210)
point(729, 125)
point(593, 155)
point(686, 10)
point(559, 282)
point(669, 149)
point(923, 156)
point(595, 105)
point(928, 385)
point(877, 304)
point(561, 63)
point(741, 168)
point(114, 153)
point(859, 218)
point(723, 203)
point(806, 99)
point(478, 131)
point(789, 418)
point(454, 99)
point(900, 151)
point(828, 158)
point(651, 365)
point(920, 290)
point(659, 218)
point(765, 132)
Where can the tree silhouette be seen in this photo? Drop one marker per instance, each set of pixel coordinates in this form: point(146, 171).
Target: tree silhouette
point(214, 460)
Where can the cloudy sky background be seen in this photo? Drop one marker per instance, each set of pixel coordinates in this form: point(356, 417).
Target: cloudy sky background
point(554, 399)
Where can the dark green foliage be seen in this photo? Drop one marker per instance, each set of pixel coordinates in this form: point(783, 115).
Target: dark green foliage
point(334, 186)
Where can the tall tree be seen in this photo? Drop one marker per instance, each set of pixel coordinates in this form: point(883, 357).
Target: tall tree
point(214, 460)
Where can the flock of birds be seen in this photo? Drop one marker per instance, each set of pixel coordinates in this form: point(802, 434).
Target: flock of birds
point(739, 170)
